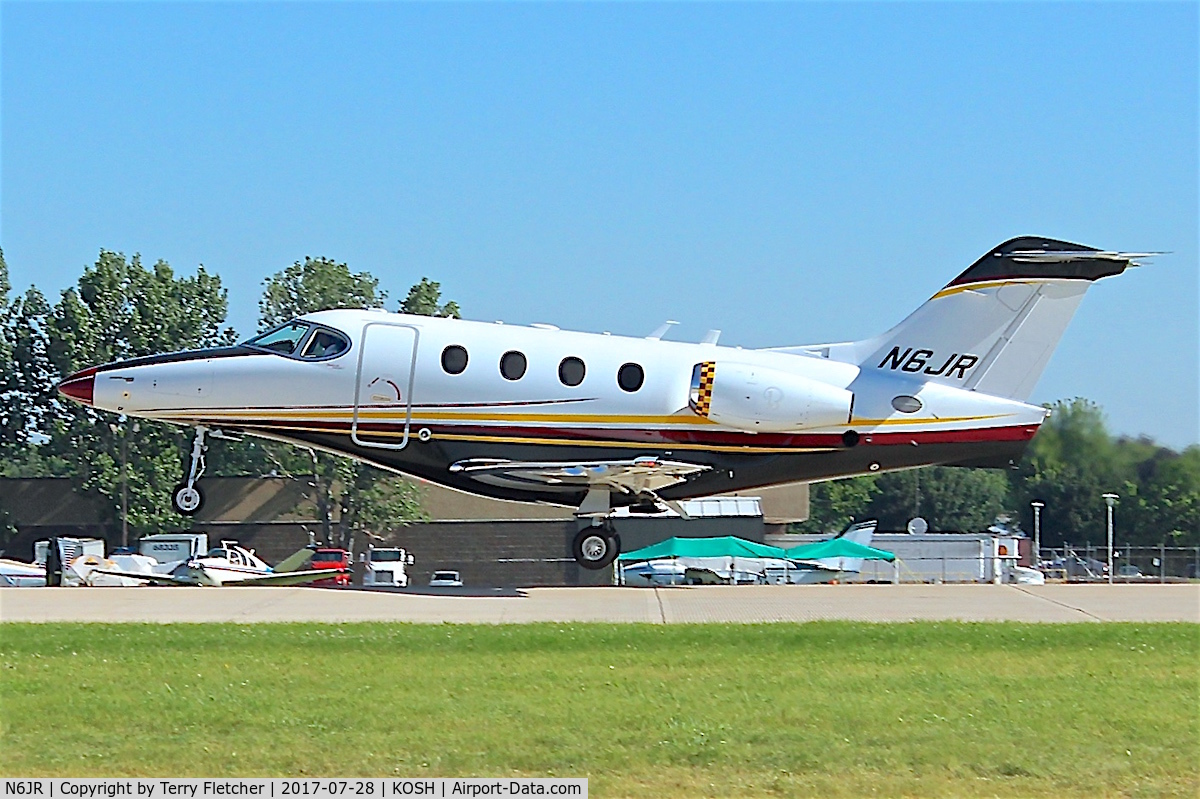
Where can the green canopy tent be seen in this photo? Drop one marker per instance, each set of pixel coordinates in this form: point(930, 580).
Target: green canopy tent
point(727, 546)
point(838, 548)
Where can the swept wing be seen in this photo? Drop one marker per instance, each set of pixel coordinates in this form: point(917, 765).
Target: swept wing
point(635, 476)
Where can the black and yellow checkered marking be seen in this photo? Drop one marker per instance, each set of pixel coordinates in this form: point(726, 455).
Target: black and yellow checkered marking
point(702, 386)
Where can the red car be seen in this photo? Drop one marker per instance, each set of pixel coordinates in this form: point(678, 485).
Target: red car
point(332, 558)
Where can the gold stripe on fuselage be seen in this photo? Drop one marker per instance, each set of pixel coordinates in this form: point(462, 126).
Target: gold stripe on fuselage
point(630, 422)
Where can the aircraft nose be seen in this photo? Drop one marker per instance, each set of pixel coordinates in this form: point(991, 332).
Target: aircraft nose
point(80, 386)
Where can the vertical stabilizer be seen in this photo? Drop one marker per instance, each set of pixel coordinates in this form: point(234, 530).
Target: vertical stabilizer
point(995, 326)
point(860, 533)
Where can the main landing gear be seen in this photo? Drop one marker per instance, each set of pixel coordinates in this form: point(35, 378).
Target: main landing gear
point(186, 498)
point(597, 546)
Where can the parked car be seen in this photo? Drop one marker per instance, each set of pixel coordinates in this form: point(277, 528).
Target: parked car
point(1076, 566)
point(445, 579)
point(1129, 570)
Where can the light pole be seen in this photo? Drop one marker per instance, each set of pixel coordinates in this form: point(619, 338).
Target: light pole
point(1110, 500)
point(124, 429)
point(1037, 506)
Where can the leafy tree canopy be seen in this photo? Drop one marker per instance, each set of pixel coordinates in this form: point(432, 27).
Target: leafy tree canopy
point(317, 284)
point(833, 504)
point(425, 299)
point(949, 499)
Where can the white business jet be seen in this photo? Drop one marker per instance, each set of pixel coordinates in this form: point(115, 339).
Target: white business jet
point(595, 421)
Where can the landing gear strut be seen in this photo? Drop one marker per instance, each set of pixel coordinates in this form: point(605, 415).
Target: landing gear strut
point(597, 546)
point(186, 498)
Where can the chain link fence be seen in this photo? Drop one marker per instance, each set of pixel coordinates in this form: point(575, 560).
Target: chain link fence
point(1130, 563)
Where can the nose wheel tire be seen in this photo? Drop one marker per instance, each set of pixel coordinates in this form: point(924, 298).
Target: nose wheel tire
point(594, 548)
point(186, 499)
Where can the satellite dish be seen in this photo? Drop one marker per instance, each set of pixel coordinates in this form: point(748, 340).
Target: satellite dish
point(917, 526)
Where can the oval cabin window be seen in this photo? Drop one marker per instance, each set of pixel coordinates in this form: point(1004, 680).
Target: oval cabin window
point(630, 377)
point(512, 365)
point(571, 371)
point(454, 359)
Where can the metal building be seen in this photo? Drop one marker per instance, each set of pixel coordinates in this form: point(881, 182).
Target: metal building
point(934, 557)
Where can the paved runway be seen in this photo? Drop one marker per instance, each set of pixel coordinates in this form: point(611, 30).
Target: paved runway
point(735, 604)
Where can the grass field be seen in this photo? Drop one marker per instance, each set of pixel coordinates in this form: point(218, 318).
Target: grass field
point(834, 709)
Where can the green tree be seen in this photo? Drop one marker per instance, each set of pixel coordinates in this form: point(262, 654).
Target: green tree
point(1164, 506)
point(425, 299)
point(317, 284)
point(1069, 464)
point(949, 498)
point(120, 309)
point(10, 404)
point(833, 504)
point(26, 382)
point(27, 399)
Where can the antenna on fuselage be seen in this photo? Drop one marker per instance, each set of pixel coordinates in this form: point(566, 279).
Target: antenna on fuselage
point(711, 337)
point(661, 330)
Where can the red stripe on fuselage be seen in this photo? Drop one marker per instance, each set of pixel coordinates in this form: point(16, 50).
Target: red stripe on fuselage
point(668, 437)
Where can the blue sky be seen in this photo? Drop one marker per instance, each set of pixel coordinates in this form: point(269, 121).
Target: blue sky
point(789, 173)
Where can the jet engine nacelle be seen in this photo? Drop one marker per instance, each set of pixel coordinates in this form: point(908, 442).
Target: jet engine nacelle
point(767, 400)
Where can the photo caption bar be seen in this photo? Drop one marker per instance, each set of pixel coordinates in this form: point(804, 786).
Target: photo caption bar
point(366, 788)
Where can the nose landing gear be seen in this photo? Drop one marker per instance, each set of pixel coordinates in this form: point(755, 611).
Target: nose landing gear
point(186, 498)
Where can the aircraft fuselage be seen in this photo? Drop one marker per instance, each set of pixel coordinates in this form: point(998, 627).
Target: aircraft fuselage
point(401, 395)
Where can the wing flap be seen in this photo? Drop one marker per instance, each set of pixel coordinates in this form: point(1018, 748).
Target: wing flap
point(158, 579)
point(290, 578)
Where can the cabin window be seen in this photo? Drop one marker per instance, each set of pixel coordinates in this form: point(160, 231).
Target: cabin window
point(571, 371)
point(284, 340)
point(512, 365)
point(325, 344)
point(630, 377)
point(454, 359)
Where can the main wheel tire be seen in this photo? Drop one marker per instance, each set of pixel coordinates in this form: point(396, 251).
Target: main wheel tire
point(594, 548)
point(186, 500)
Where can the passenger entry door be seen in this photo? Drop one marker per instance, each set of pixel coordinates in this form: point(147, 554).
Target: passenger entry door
point(383, 385)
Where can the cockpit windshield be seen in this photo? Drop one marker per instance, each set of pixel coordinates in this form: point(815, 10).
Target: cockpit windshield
point(285, 339)
point(295, 339)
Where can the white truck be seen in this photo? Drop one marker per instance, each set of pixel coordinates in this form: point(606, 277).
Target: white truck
point(169, 549)
point(384, 566)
